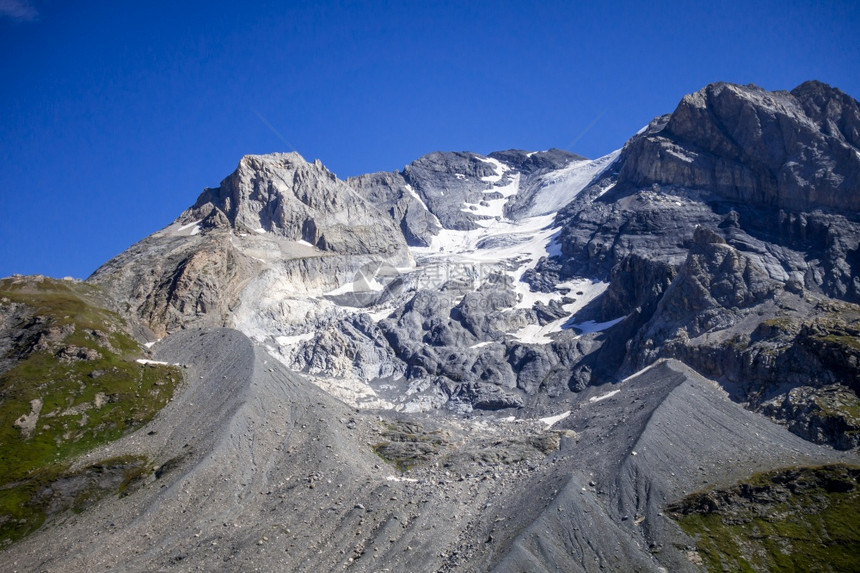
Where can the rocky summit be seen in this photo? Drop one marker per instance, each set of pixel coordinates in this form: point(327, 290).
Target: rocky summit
point(525, 361)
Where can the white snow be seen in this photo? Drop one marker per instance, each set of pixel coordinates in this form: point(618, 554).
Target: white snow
point(155, 362)
point(193, 225)
point(604, 396)
point(506, 191)
point(356, 393)
point(480, 345)
point(416, 196)
point(378, 315)
point(536, 334)
point(680, 154)
point(401, 479)
point(304, 243)
point(261, 231)
point(590, 326)
point(189, 225)
point(562, 186)
point(494, 208)
point(534, 237)
point(150, 344)
point(602, 193)
point(295, 339)
point(551, 420)
point(371, 285)
point(533, 334)
point(553, 248)
point(501, 168)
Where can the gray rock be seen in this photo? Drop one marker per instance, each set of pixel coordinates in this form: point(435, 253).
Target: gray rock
point(489, 397)
point(283, 194)
point(248, 230)
point(391, 194)
point(447, 181)
point(351, 346)
point(756, 147)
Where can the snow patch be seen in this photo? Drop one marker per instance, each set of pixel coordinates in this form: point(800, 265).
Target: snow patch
point(551, 420)
point(602, 193)
point(534, 237)
point(500, 167)
point(643, 371)
point(536, 334)
point(562, 186)
point(604, 396)
point(680, 154)
point(189, 225)
point(589, 326)
point(295, 339)
point(353, 392)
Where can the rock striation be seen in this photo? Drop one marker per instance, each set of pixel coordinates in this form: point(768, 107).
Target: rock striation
point(784, 150)
point(744, 203)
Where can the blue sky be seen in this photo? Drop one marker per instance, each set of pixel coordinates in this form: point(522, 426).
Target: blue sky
point(115, 115)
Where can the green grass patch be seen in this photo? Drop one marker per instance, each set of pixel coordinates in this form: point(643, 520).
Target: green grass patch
point(26, 505)
point(802, 519)
point(74, 386)
point(407, 445)
point(847, 341)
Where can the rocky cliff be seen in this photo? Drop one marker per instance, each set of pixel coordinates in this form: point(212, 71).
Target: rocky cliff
point(751, 196)
point(783, 150)
point(276, 219)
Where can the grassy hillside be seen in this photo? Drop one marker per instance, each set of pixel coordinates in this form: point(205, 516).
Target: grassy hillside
point(800, 519)
point(69, 382)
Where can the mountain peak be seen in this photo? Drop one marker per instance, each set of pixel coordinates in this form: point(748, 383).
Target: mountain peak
point(281, 193)
point(786, 150)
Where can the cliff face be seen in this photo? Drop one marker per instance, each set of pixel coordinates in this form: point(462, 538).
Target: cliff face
point(291, 198)
point(752, 198)
point(277, 222)
point(796, 151)
point(775, 173)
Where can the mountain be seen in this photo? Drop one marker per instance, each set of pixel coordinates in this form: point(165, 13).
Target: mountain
point(520, 361)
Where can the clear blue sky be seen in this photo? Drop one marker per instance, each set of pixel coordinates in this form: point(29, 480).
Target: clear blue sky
point(115, 115)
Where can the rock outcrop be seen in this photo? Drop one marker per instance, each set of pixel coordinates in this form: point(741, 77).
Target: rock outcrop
point(277, 220)
point(283, 194)
point(750, 197)
point(795, 151)
point(395, 197)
